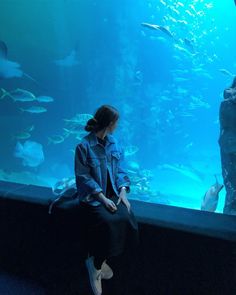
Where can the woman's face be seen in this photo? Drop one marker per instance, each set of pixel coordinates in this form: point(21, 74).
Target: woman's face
point(113, 126)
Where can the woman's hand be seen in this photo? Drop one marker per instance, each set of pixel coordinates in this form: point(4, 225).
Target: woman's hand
point(123, 198)
point(110, 205)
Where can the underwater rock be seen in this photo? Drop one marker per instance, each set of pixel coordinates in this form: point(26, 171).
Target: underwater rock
point(227, 142)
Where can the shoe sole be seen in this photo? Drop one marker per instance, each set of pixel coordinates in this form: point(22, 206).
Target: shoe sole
point(90, 279)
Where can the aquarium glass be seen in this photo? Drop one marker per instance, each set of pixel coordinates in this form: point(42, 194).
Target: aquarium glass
point(164, 65)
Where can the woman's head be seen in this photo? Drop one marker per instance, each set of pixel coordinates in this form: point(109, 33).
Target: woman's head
point(105, 117)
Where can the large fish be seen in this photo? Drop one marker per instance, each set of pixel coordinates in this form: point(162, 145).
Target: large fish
point(211, 197)
point(68, 61)
point(10, 69)
point(157, 27)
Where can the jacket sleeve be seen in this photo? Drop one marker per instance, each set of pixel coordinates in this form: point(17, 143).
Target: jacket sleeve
point(122, 178)
point(84, 181)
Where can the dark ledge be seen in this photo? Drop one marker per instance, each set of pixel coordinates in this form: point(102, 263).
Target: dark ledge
point(186, 220)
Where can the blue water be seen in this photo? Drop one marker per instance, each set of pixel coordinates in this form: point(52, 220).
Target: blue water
point(168, 91)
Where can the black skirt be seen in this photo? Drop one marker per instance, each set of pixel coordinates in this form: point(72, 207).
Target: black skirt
point(109, 233)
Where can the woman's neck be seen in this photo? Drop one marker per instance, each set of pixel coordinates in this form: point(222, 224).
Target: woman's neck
point(102, 134)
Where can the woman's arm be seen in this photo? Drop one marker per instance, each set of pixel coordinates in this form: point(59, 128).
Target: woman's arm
point(84, 181)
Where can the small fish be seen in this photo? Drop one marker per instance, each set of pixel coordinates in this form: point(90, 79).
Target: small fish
point(211, 197)
point(184, 171)
point(30, 128)
point(161, 28)
point(226, 72)
point(79, 119)
point(68, 61)
point(56, 139)
point(209, 5)
point(189, 44)
point(18, 95)
point(78, 133)
point(34, 110)
point(182, 22)
point(180, 4)
point(131, 150)
point(44, 99)
point(180, 79)
point(22, 135)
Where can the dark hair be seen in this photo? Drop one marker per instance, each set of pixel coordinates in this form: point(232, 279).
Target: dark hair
point(234, 83)
point(102, 118)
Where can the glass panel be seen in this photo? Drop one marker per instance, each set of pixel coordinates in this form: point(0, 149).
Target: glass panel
point(163, 64)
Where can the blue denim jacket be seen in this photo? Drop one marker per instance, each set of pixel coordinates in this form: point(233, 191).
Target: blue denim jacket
point(92, 163)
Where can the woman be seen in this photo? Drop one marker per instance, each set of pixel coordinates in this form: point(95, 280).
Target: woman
point(102, 185)
point(227, 142)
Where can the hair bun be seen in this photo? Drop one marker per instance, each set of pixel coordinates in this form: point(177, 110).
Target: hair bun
point(91, 124)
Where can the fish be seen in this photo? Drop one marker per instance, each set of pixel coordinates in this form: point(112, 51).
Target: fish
point(30, 152)
point(10, 69)
point(34, 110)
point(30, 128)
point(180, 4)
point(44, 99)
point(79, 119)
point(226, 72)
point(189, 44)
point(69, 61)
point(22, 135)
point(18, 95)
point(184, 171)
point(180, 79)
point(211, 197)
point(56, 139)
point(157, 27)
point(130, 150)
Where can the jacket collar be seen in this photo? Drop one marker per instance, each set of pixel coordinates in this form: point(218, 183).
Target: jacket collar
point(92, 139)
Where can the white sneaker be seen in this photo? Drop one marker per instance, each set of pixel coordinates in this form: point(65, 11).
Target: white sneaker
point(95, 276)
point(107, 272)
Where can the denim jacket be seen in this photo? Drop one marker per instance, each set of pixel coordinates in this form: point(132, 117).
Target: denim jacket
point(92, 163)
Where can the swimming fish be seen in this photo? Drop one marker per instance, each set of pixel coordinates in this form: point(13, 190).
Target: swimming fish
point(189, 44)
point(226, 72)
point(69, 61)
point(22, 135)
point(184, 171)
point(34, 110)
point(44, 99)
point(79, 119)
point(211, 197)
point(10, 69)
point(19, 95)
point(55, 139)
point(161, 28)
point(131, 150)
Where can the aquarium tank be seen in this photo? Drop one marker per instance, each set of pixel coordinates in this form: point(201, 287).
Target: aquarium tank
point(164, 64)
